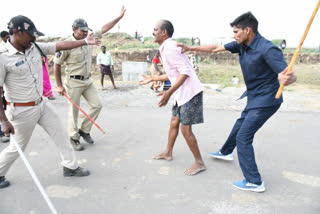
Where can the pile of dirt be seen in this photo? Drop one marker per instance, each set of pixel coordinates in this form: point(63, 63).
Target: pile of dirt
point(111, 40)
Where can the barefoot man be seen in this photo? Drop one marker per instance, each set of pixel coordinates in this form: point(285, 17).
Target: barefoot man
point(186, 89)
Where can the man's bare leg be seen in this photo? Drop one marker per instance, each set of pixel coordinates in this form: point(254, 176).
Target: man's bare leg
point(101, 80)
point(198, 165)
point(173, 133)
point(112, 81)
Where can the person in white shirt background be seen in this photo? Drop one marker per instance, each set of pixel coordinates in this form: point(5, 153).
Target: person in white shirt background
point(104, 60)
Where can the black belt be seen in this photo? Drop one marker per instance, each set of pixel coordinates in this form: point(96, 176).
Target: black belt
point(78, 77)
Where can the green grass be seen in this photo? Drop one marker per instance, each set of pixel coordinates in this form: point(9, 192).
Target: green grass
point(127, 36)
point(149, 38)
point(110, 35)
point(219, 74)
point(109, 45)
point(184, 40)
point(308, 75)
point(277, 42)
point(303, 50)
point(138, 46)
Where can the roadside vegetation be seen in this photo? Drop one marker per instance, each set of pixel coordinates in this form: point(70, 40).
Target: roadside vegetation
point(308, 75)
point(210, 72)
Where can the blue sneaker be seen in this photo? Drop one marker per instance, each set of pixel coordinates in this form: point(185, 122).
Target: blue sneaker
point(219, 155)
point(245, 185)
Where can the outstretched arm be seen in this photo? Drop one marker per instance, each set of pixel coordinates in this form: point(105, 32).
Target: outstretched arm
point(147, 79)
point(105, 28)
point(202, 48)
point(67, 45)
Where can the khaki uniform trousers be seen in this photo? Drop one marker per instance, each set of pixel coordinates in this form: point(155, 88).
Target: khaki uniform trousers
point(90, 94)
point(24, 120)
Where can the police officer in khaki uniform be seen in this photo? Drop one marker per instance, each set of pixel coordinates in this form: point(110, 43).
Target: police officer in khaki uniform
point(78, 81)
point(21, 76)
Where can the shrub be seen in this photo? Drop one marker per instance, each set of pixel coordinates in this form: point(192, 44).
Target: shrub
point(138, 46)
point(276, 42)
point(149, 38)
point(127, 36)
point(184, 40)
point(110, 35)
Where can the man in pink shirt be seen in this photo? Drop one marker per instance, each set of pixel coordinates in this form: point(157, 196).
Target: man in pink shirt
point(187, 91)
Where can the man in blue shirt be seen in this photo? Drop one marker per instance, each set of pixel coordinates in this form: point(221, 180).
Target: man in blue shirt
point(263, 66)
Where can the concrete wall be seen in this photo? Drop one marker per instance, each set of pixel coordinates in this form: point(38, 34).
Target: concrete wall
point(133, 71)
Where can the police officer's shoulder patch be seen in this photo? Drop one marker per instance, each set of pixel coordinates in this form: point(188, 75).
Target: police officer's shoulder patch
point(58, 54)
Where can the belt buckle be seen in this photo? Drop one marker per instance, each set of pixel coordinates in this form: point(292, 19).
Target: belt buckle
point(38, 101)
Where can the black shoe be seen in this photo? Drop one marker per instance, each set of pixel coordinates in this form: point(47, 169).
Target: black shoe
point(4, 182)
point(4, 139)
point(86, 137)
point(78, 172)
point(76, 145)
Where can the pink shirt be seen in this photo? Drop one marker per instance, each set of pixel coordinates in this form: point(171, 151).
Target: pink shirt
point(176, 63)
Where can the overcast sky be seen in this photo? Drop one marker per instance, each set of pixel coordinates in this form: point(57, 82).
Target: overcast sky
point(207, 19)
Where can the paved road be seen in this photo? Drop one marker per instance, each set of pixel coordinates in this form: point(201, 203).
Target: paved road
point(125, 179)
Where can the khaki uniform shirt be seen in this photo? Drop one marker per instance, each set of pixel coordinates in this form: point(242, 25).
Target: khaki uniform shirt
point(21, 73)
point(78, 62)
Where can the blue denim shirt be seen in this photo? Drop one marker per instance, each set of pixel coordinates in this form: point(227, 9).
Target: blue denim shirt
point(260, 61)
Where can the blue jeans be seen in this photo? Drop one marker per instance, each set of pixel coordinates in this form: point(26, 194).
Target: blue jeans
point(1, 133)
point(242, 135)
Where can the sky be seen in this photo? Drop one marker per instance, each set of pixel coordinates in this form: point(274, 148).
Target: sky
point(207, 19)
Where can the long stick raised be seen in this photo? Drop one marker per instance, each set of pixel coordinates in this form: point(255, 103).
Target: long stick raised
point(65, 94)
point(298, 48)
